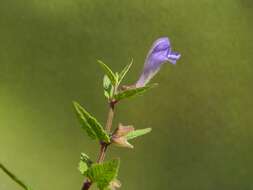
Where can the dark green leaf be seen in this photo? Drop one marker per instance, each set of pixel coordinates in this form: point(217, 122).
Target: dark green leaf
point(132, 92)
point(102, 174)
point(91, 125)
point(85, 125)
point(108, 72)
point(137, 133)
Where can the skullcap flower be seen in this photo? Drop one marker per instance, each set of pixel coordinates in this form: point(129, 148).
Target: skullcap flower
point(159, 53)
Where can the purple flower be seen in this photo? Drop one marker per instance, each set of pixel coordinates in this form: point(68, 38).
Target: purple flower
point(159, 53)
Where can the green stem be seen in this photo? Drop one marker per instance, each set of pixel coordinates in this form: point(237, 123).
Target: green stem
point(110, 117)
point(14, 178)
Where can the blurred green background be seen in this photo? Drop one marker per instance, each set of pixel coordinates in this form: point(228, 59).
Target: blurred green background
point(201, 113)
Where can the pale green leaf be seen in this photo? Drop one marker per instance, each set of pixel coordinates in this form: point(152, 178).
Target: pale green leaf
point(102, 174)
point(108, 72)
point(137, 133)
point(83, 167)
point(124, 71)
point(91, 125)
point(108, 87)
point(132, 92)
point(117, 76)
point(106, 82)
point(84, 164)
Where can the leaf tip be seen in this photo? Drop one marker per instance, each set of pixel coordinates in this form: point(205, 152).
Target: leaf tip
point(99, 61)
point(149, 129)
point(75, 104)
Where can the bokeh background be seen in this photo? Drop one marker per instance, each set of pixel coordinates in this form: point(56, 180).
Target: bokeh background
point(201, 113)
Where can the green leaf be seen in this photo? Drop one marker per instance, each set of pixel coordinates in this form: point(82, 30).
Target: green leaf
point(91, 125)
point(103, 173)
point(117, 76)
point(14, 177)
point(84, 157)
point(83, 167)
point(106, 82)
point(124, 71)
point(137, 133)
point(132, 92)
point(84, 163)
point(108, 87)
point(85, 125)
point(108, 72)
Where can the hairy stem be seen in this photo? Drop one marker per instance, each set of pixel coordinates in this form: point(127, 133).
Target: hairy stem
point(101, 156)
point(103, 146)
point(14, 178)
point(110, 117)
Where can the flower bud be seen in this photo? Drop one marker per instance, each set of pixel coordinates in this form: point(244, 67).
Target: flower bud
point(119, 136)
point(115, 184)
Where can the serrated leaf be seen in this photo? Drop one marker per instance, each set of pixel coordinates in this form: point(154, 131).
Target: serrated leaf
point(124, 72)
point(137, 133)
point(91, 125)
point(85, 125)
point(132, 92)
point(108, 72)
point(84, 164)
point(102, 174)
